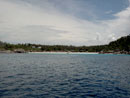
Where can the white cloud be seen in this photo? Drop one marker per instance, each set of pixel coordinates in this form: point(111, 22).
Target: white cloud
point(24, 22)
point(121, 25)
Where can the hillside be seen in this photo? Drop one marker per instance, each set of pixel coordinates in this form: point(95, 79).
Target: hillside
point(122, 44)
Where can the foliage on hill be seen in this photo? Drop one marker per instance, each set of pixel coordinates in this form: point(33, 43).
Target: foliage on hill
point(122, 44)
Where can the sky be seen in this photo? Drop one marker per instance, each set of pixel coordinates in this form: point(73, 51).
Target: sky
point(64, 22)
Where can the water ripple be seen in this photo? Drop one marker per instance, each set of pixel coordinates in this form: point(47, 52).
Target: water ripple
point(64, 76)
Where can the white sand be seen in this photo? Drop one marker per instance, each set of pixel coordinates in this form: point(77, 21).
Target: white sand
point(66, 52)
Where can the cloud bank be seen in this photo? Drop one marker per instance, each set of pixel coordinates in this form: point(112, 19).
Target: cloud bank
point(38, 21)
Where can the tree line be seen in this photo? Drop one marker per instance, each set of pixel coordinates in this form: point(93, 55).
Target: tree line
point(121, 44)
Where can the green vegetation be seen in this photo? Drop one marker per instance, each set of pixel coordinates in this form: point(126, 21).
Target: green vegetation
point(122, 44)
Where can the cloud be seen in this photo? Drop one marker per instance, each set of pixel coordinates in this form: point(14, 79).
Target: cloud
point(121, 25)
point(44, 23)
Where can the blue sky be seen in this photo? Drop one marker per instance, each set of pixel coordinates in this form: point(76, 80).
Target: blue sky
point(102, 9)
point(68, 22)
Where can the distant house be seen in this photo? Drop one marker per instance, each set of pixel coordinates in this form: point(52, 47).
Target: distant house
point(39, 47)
point(33, 46)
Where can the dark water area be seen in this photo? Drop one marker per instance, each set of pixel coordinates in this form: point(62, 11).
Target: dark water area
point(64, 76)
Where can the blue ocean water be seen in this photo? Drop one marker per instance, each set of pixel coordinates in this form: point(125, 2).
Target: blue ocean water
point(64, 76)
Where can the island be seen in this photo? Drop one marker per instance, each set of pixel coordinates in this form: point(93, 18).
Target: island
point(119, 46)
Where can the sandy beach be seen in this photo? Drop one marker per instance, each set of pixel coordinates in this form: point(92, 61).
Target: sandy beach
point(66, 52)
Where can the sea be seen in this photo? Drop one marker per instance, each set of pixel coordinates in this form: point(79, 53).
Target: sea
point(58, 75)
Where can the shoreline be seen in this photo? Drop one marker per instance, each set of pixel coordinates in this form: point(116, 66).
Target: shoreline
point(66, 52)
point(62, 52)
